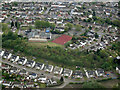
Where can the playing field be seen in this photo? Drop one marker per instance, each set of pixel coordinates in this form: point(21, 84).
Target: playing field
point(62, 39)
point(38, 44)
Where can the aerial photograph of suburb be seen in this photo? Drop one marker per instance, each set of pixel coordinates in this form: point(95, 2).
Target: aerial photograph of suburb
point(60, 44)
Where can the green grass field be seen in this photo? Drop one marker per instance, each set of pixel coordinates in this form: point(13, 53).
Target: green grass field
point(38, 44)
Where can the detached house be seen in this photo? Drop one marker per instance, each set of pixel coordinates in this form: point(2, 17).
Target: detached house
point(22, 61)
point(52, 81)
point(30, 63)
point(13, 70)
point(14, 58)
point(58, 70)
point(78, 74)
point(42, 78)
point(99, 72)
point(23, 72)
point(5, 66)
point(2, 53)
point(7, 83)
point(32, 75)
point(48, 68)
point(67, 72)
point(6, 55)
point(39, 66)
point(59, 21)
point(30, 85)
point(90, 74)
point(17, 84)
point(118, 69)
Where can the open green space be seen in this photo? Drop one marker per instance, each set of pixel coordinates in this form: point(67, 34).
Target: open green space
point(38, 44)
point(59, 55)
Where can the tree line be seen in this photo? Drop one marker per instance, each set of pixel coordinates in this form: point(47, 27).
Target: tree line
point(59, 55)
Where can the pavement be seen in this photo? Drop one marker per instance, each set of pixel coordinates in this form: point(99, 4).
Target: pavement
point(8, 19)
point(46, 12)
point(51, 75)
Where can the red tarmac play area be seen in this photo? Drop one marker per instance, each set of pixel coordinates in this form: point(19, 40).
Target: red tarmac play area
point(62, 39)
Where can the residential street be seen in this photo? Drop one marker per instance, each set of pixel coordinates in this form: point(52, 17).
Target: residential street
point(50, 75)
point(59, 44)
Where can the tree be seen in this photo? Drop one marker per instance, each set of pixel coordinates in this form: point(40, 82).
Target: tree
point(69, 25)
point(94, 14)
point(103, 54)
point(106, 66)
point(17, 25)
point(61, 79)
point(39, 24)
point(92, 84)
point(89, 20)
point(96, 35)
point(12, 24)
point(15, 3)
point(78, 27)
point(4, 27)
point(116, 23)
point(119, 13)
point(30, 27)
point(108, 21)
point(119, 4)
point(43, 24)
point(117, 86)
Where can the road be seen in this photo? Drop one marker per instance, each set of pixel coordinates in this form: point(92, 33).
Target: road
point(88, 47)
point(51, 75)
point(8, 19)
point(46, 12)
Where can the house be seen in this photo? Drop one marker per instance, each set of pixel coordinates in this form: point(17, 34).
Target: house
point(22, 61)
point(30, 63)
point(32, 75)
point(14, 58)
point(1, 81)
point(7, 55)
point(42, 78)
point(78, 74)
point(29, 85)
point(90, 74)
point(51, 21)
point(17, 84)
point(60, 29)
point(2, 53)
point(13, 70)
point(7, 83)
point(5, 66)
point(2, 19)
point(59, 21)
point(52, 81)
point(57, 70)
point(23, 72)
point(39, 66)
point(67, 72)
point(99, 72)
point(48, 68)
point(29, 21)
point(118, 69)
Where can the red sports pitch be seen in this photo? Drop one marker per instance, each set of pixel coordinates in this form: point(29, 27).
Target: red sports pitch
point(62, 39)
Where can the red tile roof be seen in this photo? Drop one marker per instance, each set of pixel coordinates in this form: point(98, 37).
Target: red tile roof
point(62, 39)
